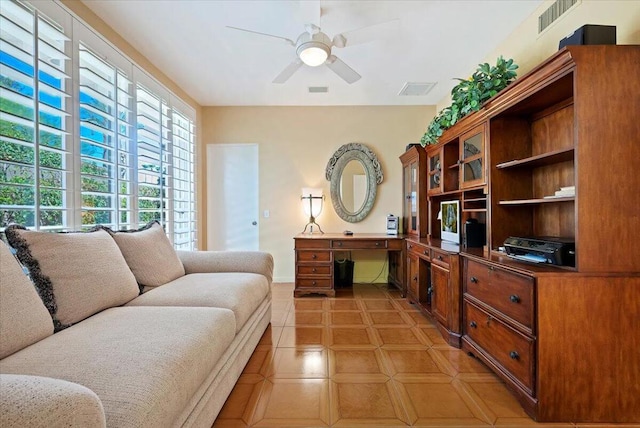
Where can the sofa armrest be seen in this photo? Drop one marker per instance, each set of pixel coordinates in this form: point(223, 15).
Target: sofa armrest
point(258, 262)
point(34, 401)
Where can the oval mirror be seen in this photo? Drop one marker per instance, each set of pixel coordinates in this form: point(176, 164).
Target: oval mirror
point(354, 173)
point(353, 186)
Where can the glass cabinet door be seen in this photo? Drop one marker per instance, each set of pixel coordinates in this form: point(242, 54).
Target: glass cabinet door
point(413, 189)
point(472, 163)
point(435, 173)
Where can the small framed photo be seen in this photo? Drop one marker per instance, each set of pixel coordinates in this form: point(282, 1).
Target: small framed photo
point(450, 222)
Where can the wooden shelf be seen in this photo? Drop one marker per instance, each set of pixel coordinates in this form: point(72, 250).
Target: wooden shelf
point(544, 159)
point(475, 200)
point(537, 201)
point(474, 210)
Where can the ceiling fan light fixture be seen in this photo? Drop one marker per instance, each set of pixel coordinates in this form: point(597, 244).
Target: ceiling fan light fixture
point(313, 53)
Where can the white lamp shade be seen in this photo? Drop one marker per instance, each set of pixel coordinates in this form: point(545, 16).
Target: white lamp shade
point(314, 55)
point(312, 201)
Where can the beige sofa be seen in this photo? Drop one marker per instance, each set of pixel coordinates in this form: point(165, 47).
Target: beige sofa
point(167, 357)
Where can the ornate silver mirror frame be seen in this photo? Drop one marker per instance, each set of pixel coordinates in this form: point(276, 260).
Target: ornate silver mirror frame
point(373, 174)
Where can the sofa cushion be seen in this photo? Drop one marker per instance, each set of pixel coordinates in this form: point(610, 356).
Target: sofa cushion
point(76, 274)
point(23, 318)
point(240, 292)
point(145, 364)
point(36, 401)
point(149, 254)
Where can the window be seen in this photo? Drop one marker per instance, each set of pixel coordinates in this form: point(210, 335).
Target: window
point(34, 137)
point(111, 147)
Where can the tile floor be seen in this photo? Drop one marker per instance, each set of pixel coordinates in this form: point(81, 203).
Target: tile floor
point(364, 358)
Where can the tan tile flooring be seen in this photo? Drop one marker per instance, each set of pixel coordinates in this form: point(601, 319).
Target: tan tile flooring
point(365, 358)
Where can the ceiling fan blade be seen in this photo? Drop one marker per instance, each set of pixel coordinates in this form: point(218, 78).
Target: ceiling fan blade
point(309, 12)
point(284, 39)
point(338, 66)
point(288, 72)
point(366, 34)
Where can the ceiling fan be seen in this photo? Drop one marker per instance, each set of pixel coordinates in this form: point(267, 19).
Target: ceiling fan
point(314, 48)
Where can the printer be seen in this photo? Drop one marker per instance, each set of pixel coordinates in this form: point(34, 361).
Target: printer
point(542, 249)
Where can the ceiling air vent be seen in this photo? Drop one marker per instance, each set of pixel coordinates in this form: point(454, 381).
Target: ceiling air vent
point(318, 89)
point(419, 89)
point(554, 12)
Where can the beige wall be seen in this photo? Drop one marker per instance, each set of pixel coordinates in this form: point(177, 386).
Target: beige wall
point(528, 49)
point(295, 144)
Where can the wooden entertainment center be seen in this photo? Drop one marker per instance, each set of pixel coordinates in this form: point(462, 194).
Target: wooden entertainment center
point(565, 339)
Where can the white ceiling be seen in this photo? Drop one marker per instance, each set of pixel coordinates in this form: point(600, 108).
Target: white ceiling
point(435, 42)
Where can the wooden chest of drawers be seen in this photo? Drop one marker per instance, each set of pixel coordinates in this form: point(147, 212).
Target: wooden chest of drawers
point(499, 323)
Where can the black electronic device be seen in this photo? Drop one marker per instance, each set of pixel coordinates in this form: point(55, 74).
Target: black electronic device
point(542, 249)
point(474, 233)
point(591, 35)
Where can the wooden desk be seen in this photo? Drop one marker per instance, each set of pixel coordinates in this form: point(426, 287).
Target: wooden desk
point(315, 257)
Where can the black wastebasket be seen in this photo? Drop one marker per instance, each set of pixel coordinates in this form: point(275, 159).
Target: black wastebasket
point(343, 273)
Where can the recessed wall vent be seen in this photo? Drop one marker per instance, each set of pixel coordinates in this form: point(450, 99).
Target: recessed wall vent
point(318, 89)
point(558, 8)
point(416, 88)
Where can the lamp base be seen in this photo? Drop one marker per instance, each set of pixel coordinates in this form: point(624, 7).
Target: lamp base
point(310, 225)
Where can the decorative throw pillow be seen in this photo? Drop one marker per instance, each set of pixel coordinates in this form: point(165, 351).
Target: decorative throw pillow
point(23, 318)
point(76, 274)
point(149, 254)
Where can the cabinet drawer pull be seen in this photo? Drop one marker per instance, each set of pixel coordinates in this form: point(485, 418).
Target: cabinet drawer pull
point(425, 252)
point(474, 279)
point(514, 355)
point(410, 246)
point(514, 298)
point(313, 283)
point(377, 244)
point(473, 324)
point(339, 244)
point(415, 278)
point(440, 258)
point(314, 256)
point(491, 268)
point(314, 270)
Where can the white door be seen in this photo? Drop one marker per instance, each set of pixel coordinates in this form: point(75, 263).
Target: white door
point(232, 199)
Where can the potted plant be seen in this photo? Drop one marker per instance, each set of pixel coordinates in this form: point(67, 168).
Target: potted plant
point(469, 95)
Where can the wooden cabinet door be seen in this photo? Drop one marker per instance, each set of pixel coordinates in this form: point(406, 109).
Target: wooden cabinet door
point(434, 173)
point(413, 266)
point(440, 293)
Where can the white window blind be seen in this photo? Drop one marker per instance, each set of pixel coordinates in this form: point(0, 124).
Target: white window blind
point(86, 137)
point(34, 121)
point(184, 192)
point(105, 142)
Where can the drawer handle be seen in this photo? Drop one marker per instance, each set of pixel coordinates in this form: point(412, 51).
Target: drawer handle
point(425, 252)
point(377, 244)
point(339, 244)
point(313, 270)
point(415, 278)
point(313, 283)
point(473, 324)
point(491, 268)
point(474, 279)
point(514, 298)
point(410, 246)
point(314, 256)
point(440, 258)
point(514, 355)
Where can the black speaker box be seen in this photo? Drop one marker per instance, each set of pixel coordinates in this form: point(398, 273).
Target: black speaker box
point(591, 35)
point(474, 233)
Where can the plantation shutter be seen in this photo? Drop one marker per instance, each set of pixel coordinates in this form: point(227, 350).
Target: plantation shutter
point(105, 143)
point(153, 156)
point(184, 192)
point(35, 155)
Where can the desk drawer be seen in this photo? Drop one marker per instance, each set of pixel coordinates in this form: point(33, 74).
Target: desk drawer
point(440, 258)
point(505, 291)
point(313, 282)
point(312, 243)
point(314, 256)
point(359, 244)
point(314, 270)
point(511, 349)
point(418, 249)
